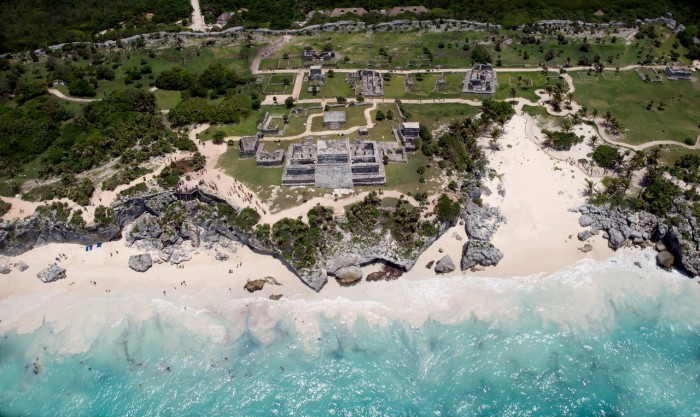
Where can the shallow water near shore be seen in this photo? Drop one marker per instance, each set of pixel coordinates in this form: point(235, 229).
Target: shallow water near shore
point(598, 338)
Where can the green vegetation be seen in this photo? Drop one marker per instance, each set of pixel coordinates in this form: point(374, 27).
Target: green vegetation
point(628, 98)
point(232, 109)
point(562, 141)
point(134, 189)
point(447, 210)
point(607, 156)
point(44, 22)
point(170, 175)
point(124, 176)
point(55, 211)
point(104, 215)
point(69, 186)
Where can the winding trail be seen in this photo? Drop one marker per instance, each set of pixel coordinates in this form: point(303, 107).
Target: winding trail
point(60, 95)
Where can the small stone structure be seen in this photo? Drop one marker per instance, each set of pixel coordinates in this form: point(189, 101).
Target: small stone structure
point(359, 11)
point(264, 158)
point(366, 82)
point(318, 56)
point(677, 72)
point(334, 164)
point(316, 73)
point(334, 119)
point(363, 131)
point(407, 9)
point(248, 146)
point(481, 79)
point(270, 124)
point(407, 133)
point(223, 18)
point(394, 151)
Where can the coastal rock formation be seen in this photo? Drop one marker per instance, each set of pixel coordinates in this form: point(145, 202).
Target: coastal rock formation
point(665, 260)
point(348, 275)
point(22, 266)
point(481, 222)
point(275, 297)
point(254, 285)
point(624, 227)
point(5, 270)
point(176, 227)
point(375, 276)
point(479, 252)
point(51, 273)
point(220, 256)
point(444, 265)
point(141, 262)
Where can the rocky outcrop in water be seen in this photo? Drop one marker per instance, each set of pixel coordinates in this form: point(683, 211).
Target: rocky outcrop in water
point(141, 262)
point(678, 235)
point(51, 273)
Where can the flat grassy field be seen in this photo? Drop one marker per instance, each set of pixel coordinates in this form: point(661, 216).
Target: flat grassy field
point(404, 177)
point(354, 116)
point(405, 50)
point(333, 87)
point(435, 115)
point(628, 98)
point(525, 84)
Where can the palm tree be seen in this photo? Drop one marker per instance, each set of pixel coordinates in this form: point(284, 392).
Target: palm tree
point(608, 117)
point(590, 188)
point(575, 119)
point(570, 97)
point(496, 134)
point(595, 113)
point(566, 124)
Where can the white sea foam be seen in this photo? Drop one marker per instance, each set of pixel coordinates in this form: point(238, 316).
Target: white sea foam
point(586, 296)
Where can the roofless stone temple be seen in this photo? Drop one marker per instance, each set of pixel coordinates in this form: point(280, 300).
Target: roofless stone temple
point(334, 164)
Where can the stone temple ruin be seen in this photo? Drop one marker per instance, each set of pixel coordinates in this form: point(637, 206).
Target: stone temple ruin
point(265, 158)
point(271, 125)
point(334, 164)
point(366, 82)
point(481, 79)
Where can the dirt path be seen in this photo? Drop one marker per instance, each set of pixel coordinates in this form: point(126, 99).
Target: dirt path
point(59, 94)
point(255, 64)
point(197, 17)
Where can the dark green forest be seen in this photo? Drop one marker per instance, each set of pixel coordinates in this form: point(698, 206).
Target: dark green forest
point(31, 24)
point(508, 13)
point(34, 24)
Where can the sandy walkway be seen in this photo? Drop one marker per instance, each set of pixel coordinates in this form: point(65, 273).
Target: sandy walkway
point(197, 17)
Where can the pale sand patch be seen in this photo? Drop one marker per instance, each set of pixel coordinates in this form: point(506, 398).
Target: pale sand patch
point(540, 232)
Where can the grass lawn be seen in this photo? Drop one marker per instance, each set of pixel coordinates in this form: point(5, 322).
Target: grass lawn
point(245, 170)
point(354, 116)
point(166, 99)
point(671, 154)
point(627, 99)
point(277, 83)
point(331, 88)
point(525, 84)
point(404, 177)
point(434, 115)
point(405, 50)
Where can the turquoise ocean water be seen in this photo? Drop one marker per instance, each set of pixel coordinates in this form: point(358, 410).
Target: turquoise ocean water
point(598, 339)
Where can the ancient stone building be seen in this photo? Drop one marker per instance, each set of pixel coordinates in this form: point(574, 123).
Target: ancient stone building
point(481, 79)
point(248, 146)
point(334, 119)
point(677, 72)
point(366, 82)
point(334, 164)
point(264, 158)
point(408, 133)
